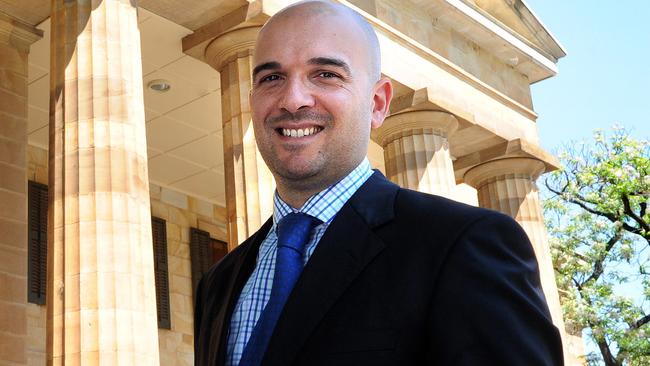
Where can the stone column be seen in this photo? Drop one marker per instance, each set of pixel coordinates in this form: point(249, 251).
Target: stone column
point(15, 39)
point(101, 292)
point(416, 150)
point(249, 183)
point(508, 185)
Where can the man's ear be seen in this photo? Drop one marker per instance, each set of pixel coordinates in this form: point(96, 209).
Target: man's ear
point(382, 95)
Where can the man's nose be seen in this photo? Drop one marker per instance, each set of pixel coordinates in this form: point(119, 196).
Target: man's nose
point(296, 95)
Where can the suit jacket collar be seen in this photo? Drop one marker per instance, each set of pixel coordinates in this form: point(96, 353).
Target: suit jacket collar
point(348, 245)
point(346, 248)
point(242, 270)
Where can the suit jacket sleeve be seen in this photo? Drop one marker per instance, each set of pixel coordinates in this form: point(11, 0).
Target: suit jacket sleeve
point(489, 297)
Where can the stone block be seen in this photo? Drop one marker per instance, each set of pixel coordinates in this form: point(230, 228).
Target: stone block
point(13, 104)
point(36, 339)
point(201, 207)
point(180, 304)
point(179, 266)
point(172, 246)
point(13, 261)
point(154, 191)
point(37, 156)
point(36, 358)
point(182, 325)
point(13, 151)
point(173, 232)
point(12, 348)
point(13, 288)
point(12, 317)
point(14, 205)
point(36, 316)
point(188, 339)
point(214, 230)
point(179, 217)
point(40, 175)
point(159, 209)
point(185, 358)
point(12, 59)
point(180, 285)
point(13, 234)
point(174, 198)
point(220, 214)
point(13, 178)
point(167, 358)
point(185, 235)
point(13, 128)
point(183, 250)
point(13, 81)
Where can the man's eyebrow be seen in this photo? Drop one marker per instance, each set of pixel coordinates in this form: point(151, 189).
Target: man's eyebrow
point(330, 61)
point(272, 65)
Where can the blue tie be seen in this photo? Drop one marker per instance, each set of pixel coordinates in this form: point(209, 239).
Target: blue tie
point(293, 232)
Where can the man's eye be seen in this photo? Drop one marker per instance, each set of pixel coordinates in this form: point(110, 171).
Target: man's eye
point(327, 74)
point(271, 77)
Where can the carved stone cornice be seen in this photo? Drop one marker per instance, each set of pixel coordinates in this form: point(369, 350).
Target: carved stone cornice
point(480, 174)
point(228, 46)
point(17, 33)
point(415, 122)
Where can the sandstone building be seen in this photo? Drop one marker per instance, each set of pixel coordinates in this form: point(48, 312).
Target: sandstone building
point(128, 163)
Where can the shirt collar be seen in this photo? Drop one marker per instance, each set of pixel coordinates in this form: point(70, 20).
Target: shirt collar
point(325, 204)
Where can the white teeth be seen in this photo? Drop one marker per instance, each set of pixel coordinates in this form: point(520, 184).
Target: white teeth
point(300, 132)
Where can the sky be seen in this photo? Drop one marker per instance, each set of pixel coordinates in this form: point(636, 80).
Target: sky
point(605, 77)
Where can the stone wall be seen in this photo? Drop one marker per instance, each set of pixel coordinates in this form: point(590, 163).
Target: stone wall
point(13, 193)
point(36, 314)
point(181, 212)
point(429, 31)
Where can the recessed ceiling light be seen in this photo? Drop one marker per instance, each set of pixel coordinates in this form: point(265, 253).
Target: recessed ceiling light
point(159, 85)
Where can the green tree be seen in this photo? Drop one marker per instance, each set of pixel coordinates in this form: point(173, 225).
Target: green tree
point(599, 231)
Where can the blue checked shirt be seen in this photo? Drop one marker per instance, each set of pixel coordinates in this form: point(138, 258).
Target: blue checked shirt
point(256, 292)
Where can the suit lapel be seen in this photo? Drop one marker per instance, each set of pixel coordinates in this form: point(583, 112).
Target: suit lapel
point(241, 272)
point(346, 248)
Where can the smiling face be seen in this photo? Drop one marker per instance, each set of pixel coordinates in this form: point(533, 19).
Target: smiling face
point(315, 97)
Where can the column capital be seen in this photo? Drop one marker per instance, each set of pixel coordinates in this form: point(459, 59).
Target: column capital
point(228, 46)
point(415, 122)
point(17, 33)
point(479, 174)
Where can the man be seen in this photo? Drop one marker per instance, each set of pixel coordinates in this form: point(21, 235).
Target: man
point(391, 276)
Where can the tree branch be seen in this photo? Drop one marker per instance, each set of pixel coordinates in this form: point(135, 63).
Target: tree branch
point(641, 322)
point(598, 267)
point(628, 210)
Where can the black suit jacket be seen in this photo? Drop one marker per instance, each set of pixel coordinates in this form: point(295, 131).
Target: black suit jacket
point(399, 278)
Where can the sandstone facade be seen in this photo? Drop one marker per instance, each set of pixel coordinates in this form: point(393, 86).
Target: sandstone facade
point(127, 113)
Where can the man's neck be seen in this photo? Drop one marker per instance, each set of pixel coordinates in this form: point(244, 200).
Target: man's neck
point(296, 193)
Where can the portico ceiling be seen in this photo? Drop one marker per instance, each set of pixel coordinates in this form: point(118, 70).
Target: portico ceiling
point(191, 14)
point(184, 135)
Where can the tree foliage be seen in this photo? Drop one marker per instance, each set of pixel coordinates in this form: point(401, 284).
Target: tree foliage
point(599, 226)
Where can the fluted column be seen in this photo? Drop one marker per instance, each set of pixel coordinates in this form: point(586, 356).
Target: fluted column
point(508, 185)
point(416, 150)
point(101, 293)
point(15, 39)
point(249, 183)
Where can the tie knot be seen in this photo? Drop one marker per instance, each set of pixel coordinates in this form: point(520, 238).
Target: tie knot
point(294, 230)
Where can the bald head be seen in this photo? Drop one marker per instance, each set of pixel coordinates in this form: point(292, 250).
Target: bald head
point(327, 14)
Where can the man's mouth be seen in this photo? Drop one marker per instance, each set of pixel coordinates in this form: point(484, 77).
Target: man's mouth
point(299, 132)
